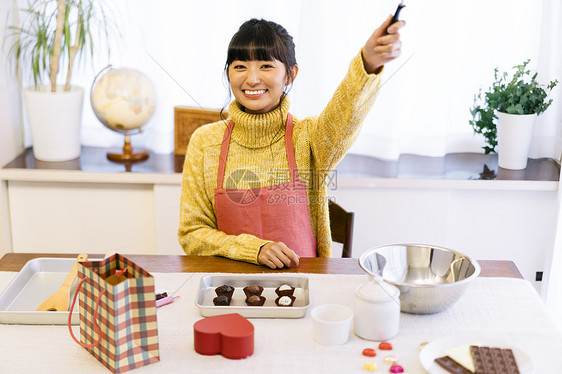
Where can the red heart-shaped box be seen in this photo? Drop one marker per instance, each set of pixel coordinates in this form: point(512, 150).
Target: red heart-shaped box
point(228, 334)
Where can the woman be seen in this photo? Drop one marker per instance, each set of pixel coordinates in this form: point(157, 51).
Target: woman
point(253, 186)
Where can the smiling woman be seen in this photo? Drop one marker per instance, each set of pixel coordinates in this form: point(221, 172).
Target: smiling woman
point(283, 214)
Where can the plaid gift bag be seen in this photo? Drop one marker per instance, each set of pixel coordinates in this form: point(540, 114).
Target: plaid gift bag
point(117, 313)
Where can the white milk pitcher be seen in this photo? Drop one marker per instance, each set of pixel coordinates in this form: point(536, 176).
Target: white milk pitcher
point(376, 310)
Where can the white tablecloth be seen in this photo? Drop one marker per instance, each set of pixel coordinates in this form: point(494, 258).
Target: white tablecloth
point(508, 310)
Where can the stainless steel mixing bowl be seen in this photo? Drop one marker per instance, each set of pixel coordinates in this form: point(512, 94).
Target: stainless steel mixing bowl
point(430, 278)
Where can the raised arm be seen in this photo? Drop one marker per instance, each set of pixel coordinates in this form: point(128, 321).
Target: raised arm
point(337, 127)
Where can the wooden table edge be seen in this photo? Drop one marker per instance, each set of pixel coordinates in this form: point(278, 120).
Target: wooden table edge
point(212, 264)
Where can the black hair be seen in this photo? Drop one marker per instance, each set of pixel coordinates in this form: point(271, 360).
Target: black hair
point(259, 39)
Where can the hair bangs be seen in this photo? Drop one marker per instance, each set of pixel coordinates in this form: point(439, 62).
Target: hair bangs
point(257, 43)
point(252, 52)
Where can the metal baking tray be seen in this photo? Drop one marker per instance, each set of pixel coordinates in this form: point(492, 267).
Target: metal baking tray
point(37, 280)
point(206, 294)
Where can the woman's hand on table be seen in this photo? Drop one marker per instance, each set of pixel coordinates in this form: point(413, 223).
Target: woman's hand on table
point(383, 46)
point(277, 255)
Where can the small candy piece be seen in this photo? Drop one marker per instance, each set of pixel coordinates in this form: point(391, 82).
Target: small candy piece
point(369, 352)
point(253, 289)
point(285, 290)
point(165, 301)
point(421, 346)
point(255, 300)
point(370, 366)
point(221, 300)
point(284, 301)
point(224, 290)
point(385, 346)
point(389, 360)
point(396, 369)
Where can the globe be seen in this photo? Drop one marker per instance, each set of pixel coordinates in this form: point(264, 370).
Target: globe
point(124, 100)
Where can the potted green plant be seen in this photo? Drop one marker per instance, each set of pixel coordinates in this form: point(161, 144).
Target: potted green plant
point(52, 35)
point(506, 112)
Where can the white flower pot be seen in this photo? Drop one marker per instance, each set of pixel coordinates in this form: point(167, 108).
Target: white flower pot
point(514, 132)
point(55, 119)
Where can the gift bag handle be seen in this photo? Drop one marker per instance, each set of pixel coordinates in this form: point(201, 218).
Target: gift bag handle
point(97, 327)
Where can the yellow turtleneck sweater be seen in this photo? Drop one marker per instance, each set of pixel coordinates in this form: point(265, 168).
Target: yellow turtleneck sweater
point(257, 158)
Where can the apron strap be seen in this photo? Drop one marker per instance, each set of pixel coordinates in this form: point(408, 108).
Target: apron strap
point(289, 150)
point(224, 153)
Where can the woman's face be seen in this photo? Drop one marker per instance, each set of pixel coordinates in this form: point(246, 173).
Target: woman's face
point(258, 85)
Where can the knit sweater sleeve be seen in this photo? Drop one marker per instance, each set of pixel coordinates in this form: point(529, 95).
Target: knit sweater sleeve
point(197, 232)
point(337, 127)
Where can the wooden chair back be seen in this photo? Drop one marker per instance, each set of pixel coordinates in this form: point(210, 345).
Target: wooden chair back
point(341, 225)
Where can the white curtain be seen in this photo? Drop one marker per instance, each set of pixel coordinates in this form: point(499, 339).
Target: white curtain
point(553, 61)
point(450, 51)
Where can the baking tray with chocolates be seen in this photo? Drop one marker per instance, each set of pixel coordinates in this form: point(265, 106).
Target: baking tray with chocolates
point(254, 295)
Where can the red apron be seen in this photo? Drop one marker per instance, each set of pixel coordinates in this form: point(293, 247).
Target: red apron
point(277, 213)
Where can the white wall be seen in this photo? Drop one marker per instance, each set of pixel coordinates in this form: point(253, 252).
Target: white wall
point(11, 143)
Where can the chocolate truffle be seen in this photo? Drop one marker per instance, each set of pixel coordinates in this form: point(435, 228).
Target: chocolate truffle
point(285, 301)
point(222, 300)
point(285, 290)
point(225, 290)
point(255, 300)
point(252, 290)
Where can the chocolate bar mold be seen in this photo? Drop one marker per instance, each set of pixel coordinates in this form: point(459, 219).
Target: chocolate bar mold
point(206, 294)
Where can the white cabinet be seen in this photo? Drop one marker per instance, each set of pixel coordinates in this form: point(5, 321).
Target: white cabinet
point(81, 217)
point(90, 205)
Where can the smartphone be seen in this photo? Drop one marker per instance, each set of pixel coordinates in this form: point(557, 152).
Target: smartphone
point(397, 13)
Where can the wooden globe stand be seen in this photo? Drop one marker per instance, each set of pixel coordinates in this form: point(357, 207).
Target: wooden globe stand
point(127, 155)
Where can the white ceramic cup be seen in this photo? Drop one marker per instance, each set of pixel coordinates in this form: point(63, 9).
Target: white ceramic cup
point(331, 323)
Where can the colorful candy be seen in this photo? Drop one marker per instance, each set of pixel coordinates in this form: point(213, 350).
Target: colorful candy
point(389, 360)
point(165, 301)
point(370, 366)
point(385, 346)
point(369, 352)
